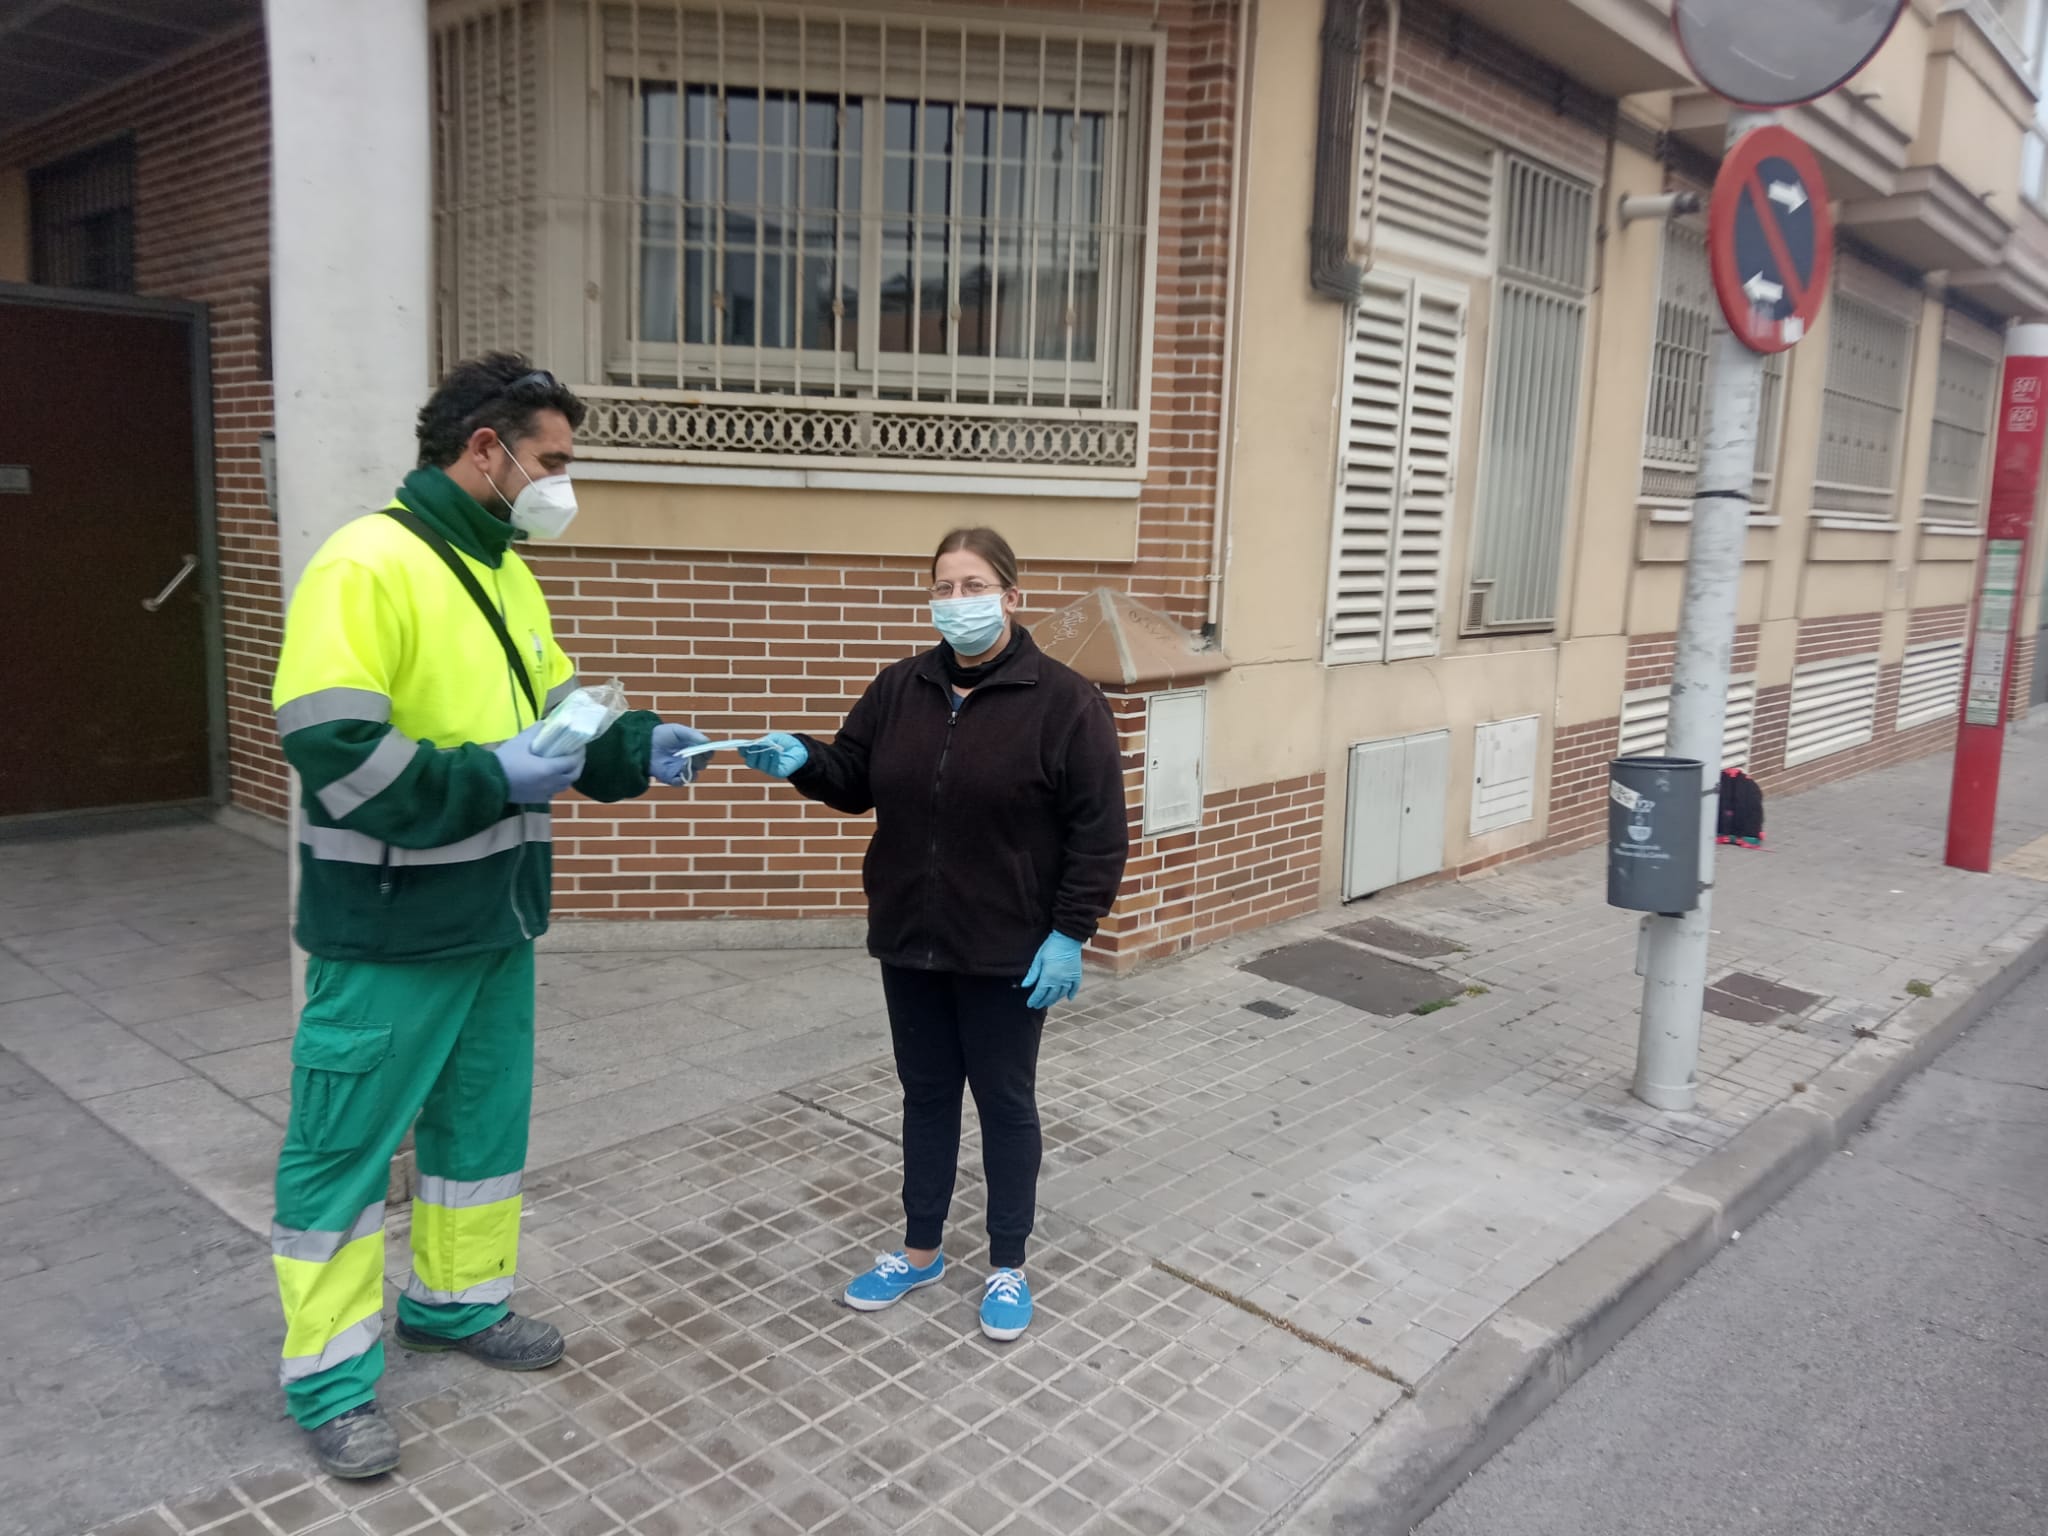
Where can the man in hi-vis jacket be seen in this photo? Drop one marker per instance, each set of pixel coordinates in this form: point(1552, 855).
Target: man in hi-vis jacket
point(418, 658)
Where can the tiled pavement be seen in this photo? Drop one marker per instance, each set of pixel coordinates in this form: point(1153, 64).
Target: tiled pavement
point(1254, 1227)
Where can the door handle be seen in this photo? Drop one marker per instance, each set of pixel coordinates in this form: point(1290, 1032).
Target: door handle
point(151, 604)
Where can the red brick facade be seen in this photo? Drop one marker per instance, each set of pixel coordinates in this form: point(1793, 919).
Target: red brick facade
point(1255, 859)
point(202, 232)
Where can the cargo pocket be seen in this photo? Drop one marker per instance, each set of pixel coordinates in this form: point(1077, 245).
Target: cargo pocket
point(334, 1099)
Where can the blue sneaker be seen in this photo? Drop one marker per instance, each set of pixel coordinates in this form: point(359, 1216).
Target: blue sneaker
point(1006, 1306)
point(890, 1281)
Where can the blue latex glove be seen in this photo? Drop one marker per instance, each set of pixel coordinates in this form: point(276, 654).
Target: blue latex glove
point(1055, 973)
point(778, 754)
point(665, 758)
point(532, 780)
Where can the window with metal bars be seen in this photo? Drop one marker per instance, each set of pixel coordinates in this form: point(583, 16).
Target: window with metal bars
point(794, 232)
point(1688, 318)
point(1863, 412)
point(1963, 394)
point(82, 219)
point(1532, 404)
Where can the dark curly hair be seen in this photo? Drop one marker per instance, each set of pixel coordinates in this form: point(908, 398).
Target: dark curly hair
point(500, 390)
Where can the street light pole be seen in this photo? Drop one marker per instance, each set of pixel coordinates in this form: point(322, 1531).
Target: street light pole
point(1675, 954)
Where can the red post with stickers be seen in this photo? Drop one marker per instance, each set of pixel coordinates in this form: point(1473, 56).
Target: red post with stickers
point(2001, 598)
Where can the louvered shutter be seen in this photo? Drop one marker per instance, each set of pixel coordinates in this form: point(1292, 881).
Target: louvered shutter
point(1370, 447)
point(1646, 723)
point(1429, 471)
point(1438, 185)
point(1834, 708)
point(1930, 683)
point(1398, 474)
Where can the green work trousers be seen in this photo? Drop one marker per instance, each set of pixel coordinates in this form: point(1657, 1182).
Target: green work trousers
point(451, 1043)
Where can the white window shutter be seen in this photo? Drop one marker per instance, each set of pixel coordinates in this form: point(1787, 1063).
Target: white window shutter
point(1930, 683)
point(1440, 189)
point(1646, 723)
point(1369, 465)
point(1397, 480)
point(1429, 471)
point(1834, 708)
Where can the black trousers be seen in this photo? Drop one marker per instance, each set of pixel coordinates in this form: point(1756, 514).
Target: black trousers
point(951, 1032)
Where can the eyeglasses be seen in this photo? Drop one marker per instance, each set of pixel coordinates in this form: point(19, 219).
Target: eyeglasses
point(973, 586)
point(547, 381)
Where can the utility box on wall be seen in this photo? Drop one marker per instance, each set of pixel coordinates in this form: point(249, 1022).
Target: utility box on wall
point(1176, 730)
point(1394, 818)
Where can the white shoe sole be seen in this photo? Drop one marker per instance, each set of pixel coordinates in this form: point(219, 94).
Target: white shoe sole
point(859, 1305)
point(1004, 1335)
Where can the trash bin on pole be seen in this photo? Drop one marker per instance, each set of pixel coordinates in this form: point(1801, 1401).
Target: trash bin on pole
point(1653, 834)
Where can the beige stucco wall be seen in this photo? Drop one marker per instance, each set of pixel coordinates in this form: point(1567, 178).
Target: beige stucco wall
point(1974, 115)
point(622, 514)
point(1282, 712)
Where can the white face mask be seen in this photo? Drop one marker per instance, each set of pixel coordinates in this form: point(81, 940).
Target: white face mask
point(545, 507)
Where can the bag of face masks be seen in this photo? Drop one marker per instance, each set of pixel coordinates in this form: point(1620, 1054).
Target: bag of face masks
point(580, 719)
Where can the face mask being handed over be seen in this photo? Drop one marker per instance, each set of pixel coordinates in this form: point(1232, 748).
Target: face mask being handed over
point(969, 624)
point(545, 508)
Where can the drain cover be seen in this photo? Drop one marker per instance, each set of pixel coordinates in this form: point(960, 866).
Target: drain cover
point(1751, 999)
point(1268, 1009)
point(1381, 934)
point(1348, 975)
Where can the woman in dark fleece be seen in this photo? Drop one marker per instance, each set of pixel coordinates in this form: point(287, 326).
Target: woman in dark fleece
point(1000, 840)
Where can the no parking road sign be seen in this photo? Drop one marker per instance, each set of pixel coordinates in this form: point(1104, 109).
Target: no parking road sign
point(1771, 238)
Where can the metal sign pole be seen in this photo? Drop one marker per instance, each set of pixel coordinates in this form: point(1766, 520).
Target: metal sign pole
point(1675, 951)
point(2001, 598)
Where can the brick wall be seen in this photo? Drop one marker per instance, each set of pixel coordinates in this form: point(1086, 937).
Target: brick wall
point(1858, 635)
point(736, 643)
point(1255, 859)
point(202, 231)
point(739, 643)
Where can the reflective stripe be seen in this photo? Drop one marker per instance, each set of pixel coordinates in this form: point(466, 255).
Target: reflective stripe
point(461, 1194)
point(371, 777)
point(316, 1247)
point(484, 1293)
point(332, 704)
point(558, 693)
point(340, 846)
point(356, 1339)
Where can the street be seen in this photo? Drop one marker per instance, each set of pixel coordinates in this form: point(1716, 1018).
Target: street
point(1869, 1358)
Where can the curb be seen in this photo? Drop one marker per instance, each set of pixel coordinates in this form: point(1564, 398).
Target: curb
point(1524, 1357)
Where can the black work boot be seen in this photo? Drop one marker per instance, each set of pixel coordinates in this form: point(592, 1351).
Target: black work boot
point(512, 1343)
point(356, 1444)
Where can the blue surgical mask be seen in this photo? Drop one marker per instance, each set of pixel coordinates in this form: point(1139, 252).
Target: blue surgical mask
point(971, 625)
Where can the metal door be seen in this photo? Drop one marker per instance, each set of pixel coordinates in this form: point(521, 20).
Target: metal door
point(107, 614)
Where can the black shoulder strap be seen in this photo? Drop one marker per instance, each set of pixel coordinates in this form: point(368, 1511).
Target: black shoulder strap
point(485, 606)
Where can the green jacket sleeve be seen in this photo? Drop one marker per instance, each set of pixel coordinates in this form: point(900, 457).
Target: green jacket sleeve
point(333, 698)
point(615, 765)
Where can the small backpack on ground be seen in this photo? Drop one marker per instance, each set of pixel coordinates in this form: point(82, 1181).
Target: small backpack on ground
point(1742, 809)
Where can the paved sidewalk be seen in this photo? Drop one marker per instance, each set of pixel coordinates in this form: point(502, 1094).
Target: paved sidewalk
point(1267, 1213)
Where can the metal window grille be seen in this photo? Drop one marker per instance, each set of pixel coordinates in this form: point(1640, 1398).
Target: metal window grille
point(82, 219)
point(1688, 319)
point(1963, 394)
point(1930, 683)
point(1833, 708)
point(1863, 413)
point(1439, 188)
point(1646, 722)
point(760, 233)
point(1539, 328)
point(1397, 477)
